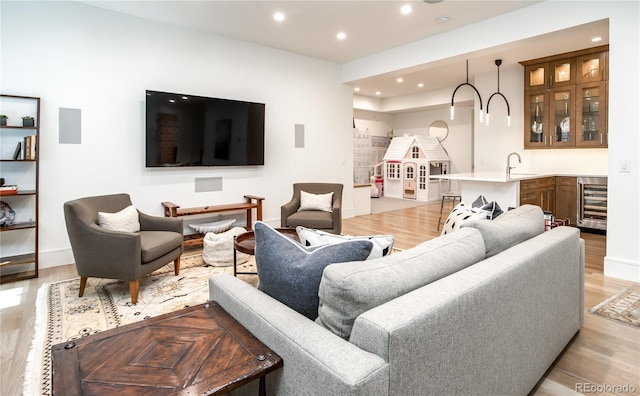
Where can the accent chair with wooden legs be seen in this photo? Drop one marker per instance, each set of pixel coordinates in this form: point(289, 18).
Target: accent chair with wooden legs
point(104, 253)
point(292, 216)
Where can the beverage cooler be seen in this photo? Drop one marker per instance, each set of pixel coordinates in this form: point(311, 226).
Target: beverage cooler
point(592, 202)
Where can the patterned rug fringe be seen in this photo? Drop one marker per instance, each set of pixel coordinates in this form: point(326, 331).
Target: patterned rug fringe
point(624, 307)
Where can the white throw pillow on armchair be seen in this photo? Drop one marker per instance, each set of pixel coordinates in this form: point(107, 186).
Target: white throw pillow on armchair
point(310, 201)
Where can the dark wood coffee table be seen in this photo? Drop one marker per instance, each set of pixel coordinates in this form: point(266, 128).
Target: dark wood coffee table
point(246, 243)
point(197, 350)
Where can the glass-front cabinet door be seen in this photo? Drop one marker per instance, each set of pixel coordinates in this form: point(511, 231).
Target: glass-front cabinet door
point(591, 116)
point(536, 76)
point(592, 67)
point(536, 110)
point(562, 117)
point(564, 72)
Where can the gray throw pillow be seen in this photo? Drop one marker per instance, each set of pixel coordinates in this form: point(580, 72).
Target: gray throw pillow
point(291, 273)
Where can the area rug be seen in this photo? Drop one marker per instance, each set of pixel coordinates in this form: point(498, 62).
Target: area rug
point(624, 308)
point(63, 316)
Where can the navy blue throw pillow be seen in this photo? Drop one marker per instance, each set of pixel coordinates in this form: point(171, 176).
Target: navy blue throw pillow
point(291, 273)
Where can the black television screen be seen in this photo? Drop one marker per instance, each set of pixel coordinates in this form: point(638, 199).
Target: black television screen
point(187, 130)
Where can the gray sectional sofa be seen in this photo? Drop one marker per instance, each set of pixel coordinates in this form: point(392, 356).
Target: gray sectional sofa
point(484, 310)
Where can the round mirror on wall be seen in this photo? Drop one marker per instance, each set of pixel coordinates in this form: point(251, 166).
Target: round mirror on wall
point(439, 129)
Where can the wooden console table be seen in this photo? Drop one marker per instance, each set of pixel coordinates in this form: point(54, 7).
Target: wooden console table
point(251, 202)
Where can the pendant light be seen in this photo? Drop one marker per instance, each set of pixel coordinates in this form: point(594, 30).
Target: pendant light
point(498, 63)
point(474, 88)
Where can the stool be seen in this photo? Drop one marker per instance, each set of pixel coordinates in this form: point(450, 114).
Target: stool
point(449, 195)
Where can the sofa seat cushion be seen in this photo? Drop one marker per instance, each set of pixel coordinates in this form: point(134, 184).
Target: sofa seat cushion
point(291, 273)
point(346, 291)
point(511, 228)
point(156, 244)
point(311, 218)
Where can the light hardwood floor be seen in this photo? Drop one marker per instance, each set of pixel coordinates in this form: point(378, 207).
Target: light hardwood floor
point(603, 353)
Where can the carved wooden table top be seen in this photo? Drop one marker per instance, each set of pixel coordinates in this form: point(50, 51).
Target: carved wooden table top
point(196, 350)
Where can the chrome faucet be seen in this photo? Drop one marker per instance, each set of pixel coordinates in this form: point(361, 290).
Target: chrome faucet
point(509, 167)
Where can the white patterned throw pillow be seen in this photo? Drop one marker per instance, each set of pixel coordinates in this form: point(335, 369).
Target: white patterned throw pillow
point(382, 244)
point(310, 201)
point(460, 214)
point(125, 220)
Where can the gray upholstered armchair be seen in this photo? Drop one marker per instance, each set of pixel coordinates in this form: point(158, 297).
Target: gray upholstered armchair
point(103, 253)
point(321, 220)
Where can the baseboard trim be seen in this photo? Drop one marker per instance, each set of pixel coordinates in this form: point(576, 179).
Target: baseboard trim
point(55, 258)
point(621, 268)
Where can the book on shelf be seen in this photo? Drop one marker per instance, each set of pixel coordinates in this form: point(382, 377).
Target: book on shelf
point(18, 151)
point(29, 147)
point(10, 189)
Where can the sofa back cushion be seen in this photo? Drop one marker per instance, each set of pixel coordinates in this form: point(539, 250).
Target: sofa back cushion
point(346, 291)
point(511, 228)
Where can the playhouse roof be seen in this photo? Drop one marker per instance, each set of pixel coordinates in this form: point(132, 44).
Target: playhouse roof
point(429, 145)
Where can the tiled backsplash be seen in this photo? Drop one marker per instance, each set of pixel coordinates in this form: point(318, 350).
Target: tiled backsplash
point(574, 161)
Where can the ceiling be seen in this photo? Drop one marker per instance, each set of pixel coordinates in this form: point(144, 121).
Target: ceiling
point(371, 26)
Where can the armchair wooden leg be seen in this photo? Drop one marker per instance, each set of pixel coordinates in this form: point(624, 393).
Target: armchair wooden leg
point(83, 284)
point(134, 288)
point(176, 265)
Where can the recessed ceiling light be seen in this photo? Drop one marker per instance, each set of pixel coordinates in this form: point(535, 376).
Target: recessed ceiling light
point(420, 85)
point(278, 16)
point(596, 39)
point(443, 19)
point(357, 89)
point(172, 101)
point(399, 79)
point(378, 93)
point(185, 98)
point(341, 35)
point(406, 9)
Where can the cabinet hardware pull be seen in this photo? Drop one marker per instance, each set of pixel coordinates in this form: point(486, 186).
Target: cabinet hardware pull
point(601, 137)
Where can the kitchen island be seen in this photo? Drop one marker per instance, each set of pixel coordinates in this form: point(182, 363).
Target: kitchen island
point(495, 186)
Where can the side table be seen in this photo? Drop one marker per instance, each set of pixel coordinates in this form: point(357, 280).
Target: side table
point(246, 243)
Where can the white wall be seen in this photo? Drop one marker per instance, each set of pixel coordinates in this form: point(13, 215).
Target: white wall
point(493, 143)
point(76, 56)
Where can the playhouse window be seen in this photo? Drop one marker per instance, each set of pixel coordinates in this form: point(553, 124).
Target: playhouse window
point(409, 173)
point(422, 178)
point(393, 171)
point(415, 152)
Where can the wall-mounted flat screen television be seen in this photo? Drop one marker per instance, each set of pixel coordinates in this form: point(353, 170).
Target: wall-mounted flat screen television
point(187, 130)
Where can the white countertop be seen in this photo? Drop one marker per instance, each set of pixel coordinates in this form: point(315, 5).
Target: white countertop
point(494, 177)
point(501, 177)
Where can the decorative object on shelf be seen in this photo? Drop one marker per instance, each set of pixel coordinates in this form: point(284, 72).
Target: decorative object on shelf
point(474, 88)
point(27, 121)
point(3, 120)
point(498, 63)
point(7, 215)
point(1, 181)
